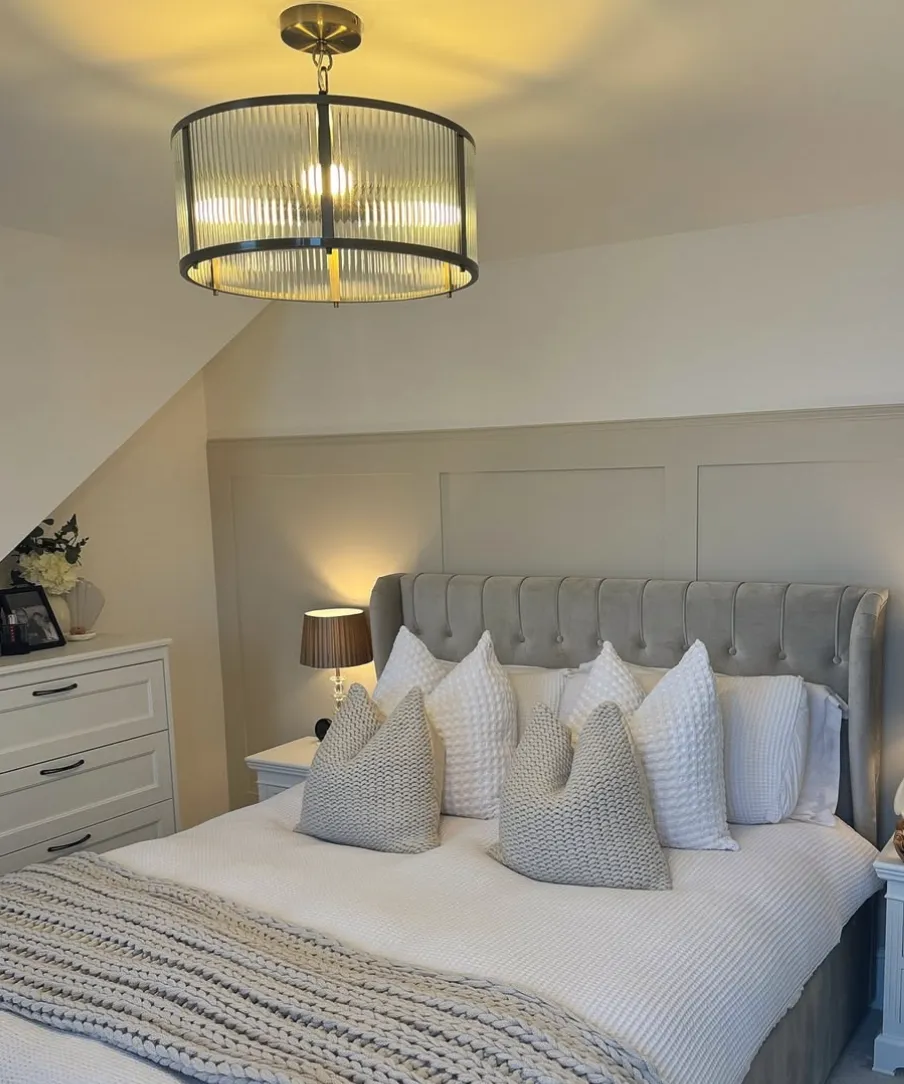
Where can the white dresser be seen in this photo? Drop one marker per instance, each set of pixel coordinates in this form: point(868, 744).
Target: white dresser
point(86, 749)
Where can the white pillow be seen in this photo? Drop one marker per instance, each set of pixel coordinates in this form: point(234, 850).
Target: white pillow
point(765, 720)
point(822, 775)
point(535, 685)
point(411, 663)
point(774, 714)
point(472, 707)
point(575, 681)
point(677, 730)
point(532, 685)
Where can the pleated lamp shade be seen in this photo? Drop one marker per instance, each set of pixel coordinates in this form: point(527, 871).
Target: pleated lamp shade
point(335, 638)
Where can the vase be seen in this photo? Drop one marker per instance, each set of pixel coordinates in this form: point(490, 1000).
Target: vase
point(60, 608)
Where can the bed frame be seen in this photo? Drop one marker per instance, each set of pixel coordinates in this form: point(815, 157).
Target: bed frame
point(829, 635)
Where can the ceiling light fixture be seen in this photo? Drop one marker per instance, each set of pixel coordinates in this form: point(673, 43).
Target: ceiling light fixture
point(318, 197)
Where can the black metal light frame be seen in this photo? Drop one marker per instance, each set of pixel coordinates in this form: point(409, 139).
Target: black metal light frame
point(327, 239)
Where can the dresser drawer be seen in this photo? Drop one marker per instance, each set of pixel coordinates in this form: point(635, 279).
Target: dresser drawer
point(72, 711)
point(70, 793)
point(152, 823)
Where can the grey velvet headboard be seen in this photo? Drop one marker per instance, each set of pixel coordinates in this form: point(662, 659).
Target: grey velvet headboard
point(830, 635)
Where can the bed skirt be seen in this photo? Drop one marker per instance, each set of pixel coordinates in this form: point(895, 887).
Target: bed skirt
point(806, 1043)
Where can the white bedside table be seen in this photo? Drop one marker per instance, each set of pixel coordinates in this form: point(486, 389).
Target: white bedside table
point(283, 766)
point(888, 1052)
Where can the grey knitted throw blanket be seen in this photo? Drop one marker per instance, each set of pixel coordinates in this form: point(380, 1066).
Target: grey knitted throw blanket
point(220, 993)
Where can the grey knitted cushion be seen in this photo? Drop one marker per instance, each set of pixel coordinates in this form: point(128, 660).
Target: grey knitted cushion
point(376, 784)
point(580, 817)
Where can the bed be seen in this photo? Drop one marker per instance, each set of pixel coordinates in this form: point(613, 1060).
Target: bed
point(755, 968)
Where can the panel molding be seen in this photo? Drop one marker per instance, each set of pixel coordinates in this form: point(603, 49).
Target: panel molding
point(680, 448)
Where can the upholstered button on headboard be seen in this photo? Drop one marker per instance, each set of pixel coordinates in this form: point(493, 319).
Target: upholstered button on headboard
point(829, 635)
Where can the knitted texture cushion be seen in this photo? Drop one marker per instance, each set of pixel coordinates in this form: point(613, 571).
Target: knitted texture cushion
point(472, 707)
point(677, 731)
point(580, 817)
point(376, 784)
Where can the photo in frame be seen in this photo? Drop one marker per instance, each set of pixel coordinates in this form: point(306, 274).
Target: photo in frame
point(29, 603)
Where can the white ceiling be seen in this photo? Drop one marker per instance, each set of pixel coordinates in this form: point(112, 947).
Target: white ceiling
point(595, 120)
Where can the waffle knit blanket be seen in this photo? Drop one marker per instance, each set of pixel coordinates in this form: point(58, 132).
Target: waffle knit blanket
point(220, 993)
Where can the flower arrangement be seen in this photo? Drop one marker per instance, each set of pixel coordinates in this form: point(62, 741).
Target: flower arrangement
point(50, 560)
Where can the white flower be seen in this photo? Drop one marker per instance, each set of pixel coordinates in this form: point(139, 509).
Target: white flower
point(49, 570)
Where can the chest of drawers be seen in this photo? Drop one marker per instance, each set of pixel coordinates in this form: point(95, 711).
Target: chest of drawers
point(86, 750)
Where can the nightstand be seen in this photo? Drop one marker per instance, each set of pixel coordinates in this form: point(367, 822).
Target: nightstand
point(888, 1052)
point(283, 766)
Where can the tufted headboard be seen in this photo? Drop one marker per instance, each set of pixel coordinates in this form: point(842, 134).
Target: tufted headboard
point(829, 635)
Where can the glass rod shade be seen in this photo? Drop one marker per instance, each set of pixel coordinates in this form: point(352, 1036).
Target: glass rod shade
point(314, 197)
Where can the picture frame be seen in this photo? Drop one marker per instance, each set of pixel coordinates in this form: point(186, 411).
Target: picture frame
point(30, 602)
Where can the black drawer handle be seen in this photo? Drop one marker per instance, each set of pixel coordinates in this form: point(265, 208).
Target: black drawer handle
point(69, 846)
point(65, 768)
point(55, 692)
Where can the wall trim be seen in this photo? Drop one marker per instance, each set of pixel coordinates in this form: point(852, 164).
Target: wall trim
point(814, 414)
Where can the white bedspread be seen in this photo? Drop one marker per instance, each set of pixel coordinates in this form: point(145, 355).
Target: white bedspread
point(694, 979)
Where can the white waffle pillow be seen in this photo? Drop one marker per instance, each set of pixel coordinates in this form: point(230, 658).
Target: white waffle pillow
point(411, 663)
point(677, 731)
point(471, 706)
point(778, 746)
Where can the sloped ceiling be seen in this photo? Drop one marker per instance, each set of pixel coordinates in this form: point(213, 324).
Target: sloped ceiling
point(93, 341)
point(596, 120)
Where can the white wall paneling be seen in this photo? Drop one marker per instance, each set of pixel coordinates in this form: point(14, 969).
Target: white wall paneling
point(805, 496)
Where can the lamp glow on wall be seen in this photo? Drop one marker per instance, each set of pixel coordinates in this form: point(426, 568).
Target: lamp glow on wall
point(318, 197)
point(336, 638)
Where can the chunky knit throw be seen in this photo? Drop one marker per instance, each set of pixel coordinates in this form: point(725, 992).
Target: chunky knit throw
point(220, 993)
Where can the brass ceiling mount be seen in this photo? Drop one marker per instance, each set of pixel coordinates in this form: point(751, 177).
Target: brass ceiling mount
point(320, 28)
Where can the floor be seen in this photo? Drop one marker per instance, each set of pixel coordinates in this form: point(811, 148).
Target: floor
point(855, 1066)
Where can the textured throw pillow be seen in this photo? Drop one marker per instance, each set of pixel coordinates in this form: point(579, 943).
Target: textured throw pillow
point(767, 724)
point(475, 713)
point(821, 783)
point(411, 663)
point(677, 730)
point(580, 817)
point(471, 705)
point(374, 783)
point(532, 685)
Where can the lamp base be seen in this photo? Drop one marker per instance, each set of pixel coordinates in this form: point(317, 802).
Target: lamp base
point(338, 688)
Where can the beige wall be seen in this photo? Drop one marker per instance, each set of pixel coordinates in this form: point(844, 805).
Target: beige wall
point(92, 342)
point(794, 313)
point(147, 512)
point(313, 521)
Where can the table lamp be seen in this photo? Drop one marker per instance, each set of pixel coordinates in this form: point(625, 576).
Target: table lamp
point(331, 639)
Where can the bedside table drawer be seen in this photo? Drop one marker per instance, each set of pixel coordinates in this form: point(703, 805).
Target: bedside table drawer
point(70, 793)
point(155, 822)
point(70, 710)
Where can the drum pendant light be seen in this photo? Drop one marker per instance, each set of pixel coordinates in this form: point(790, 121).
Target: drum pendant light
point(318, 197)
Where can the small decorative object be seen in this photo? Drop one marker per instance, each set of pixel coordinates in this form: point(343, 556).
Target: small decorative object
point(899, 824)
point(321, 727)
point(13, 635)
point(49, 561)
point(85, 605)
point(331, 639)
point(34, 614)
